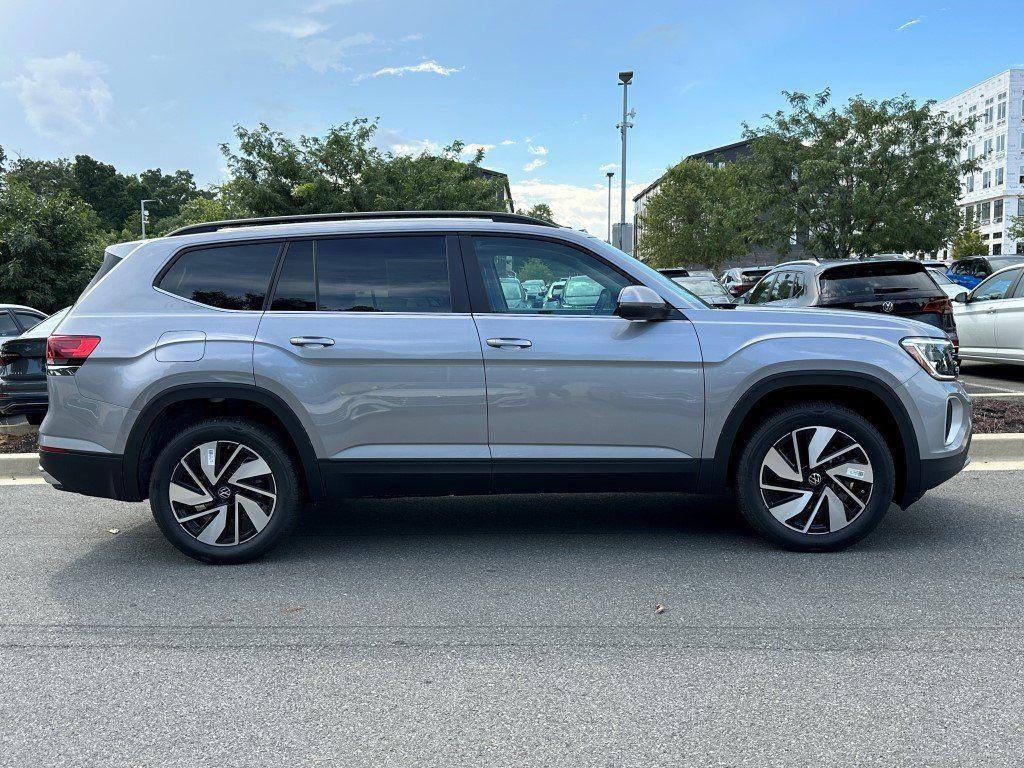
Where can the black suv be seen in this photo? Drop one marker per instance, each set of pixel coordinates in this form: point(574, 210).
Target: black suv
point(892, 286)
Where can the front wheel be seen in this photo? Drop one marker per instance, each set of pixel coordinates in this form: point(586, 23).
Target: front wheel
point(224, 491)
point(815, 476)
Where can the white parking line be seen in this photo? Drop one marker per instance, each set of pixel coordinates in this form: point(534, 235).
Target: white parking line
point(994, 466)
point(22, 481)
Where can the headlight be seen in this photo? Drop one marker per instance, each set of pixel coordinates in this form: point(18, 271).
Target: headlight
point(936, 356)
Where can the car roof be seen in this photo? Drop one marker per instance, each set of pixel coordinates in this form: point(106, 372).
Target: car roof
point(22, 306)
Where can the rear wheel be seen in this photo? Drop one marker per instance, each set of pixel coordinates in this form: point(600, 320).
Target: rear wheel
point(224, 491)
point(816, 476)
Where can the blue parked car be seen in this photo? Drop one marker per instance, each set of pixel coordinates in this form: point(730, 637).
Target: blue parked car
point(970, 272)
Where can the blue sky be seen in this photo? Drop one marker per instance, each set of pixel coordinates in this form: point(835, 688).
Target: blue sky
point(161, 83)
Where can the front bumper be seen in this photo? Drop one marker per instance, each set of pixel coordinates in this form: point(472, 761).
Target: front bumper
point(90, 474)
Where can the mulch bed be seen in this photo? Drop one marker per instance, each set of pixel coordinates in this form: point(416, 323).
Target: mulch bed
point(998, 414)
point(24, 444)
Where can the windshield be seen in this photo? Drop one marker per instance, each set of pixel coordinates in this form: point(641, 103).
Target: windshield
point(753, 275)
point(703, 287)
point(939, 278)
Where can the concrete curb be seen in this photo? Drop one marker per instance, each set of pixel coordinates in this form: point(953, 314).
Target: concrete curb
point(984, 448)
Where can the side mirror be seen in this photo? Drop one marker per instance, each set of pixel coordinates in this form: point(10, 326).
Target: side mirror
point(961, 297)
point(638, 302)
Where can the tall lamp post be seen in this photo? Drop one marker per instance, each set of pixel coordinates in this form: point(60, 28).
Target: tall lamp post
point(145, 214)
point(625, 78)
point(609, 175)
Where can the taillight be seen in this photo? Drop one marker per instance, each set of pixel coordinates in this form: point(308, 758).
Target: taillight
point(64, 354)
point(938, 306)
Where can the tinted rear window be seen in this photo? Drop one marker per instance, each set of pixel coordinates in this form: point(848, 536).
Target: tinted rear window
point(227, 277)
point(866, 279)
point(383, 274)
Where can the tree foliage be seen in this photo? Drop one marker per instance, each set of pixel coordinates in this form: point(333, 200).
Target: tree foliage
point(872, 177)
point(540, 211)
point(700, 215)
point(50, 246)
point(968, 243)
point(343, 171)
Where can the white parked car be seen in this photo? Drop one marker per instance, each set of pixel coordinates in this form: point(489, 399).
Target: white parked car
point(951, 289)
point(990, 322)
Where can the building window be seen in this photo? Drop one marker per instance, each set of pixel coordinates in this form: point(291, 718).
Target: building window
point(1002, 95)
point(988, 147)
point(1001, 111)
point(988, 117)
point(997, 213)
point(997, 248)
point(1001, 142)
point(986, 213)
point(986, 179)
point(970, 182)
point(999, 176)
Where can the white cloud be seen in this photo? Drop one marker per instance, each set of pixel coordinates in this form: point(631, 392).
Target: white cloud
point(539, 151)
point(470, 149)
point(533, 165)
point(321, 54)
point(507, 142)
point(297, 28)
point(63, 97)
point(575, 206)
point(411, 38)
point(322, 5)
point(908, 24)
point(609, 167)
point(429, 66)
point(414, 147)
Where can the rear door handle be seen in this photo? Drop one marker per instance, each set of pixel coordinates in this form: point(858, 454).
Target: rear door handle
point(507, 342)
point(311, 341)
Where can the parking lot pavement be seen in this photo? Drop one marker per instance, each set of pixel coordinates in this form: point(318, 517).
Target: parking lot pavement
point(993, 379)
point(515, 631)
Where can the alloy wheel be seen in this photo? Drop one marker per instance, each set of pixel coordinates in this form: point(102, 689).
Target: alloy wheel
point(222, 493)
point(816, 480)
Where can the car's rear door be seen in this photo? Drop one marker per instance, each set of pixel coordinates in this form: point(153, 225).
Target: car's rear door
point(370, 339)
point(1009, 322)
point(578, 398)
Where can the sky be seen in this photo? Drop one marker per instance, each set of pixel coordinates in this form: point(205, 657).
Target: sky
point(162, 83)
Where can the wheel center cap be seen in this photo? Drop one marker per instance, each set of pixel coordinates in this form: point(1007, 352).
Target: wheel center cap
point(814, 479)
point(224, 492)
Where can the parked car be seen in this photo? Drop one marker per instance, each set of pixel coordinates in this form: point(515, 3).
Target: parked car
point(936, 264)
point(954, 291)
point(741, 279)
point(535, 290)
point(232, 370)
point(23, 373)
point(900, 287)
point(15, 319)
point(991, 320)
point(971, 271)
point(674, 272)
point(708, 289)
point(515, 296)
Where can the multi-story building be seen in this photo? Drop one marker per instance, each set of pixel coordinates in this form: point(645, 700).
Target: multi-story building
point(991, 196)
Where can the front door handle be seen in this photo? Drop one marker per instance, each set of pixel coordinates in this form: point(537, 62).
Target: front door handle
point(311, 341)
point(507, 342)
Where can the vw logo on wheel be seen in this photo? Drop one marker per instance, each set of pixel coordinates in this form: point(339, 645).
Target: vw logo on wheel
point(814, 479)
point(224, 492)
point(887, 306)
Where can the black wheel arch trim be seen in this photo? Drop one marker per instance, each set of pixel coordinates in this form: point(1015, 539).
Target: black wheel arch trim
point(251, 393)
point(714, 476)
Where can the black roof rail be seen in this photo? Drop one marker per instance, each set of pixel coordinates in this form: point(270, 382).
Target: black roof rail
point(503, 218)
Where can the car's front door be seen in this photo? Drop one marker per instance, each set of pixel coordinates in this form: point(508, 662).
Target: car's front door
point(371, 341)
point(1009, 319)
point(577, 397)
point(976, 320)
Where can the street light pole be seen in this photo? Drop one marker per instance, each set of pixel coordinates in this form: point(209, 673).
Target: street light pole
point(625, 78)
point(610, 174)
point(142, 207)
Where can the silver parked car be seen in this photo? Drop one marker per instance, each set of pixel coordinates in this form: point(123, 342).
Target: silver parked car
point(232, 370)
point(991, 319)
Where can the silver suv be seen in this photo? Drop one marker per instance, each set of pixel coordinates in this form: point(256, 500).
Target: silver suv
point(232, 371)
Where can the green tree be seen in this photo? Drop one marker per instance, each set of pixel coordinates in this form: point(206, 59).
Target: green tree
point(220, 205)
point(700, 215)
point(1015, 229)
point(274, 175)
point(50, 246)
point(968, 243)
point(872, 177)
point(535, 269)
point(540, 211)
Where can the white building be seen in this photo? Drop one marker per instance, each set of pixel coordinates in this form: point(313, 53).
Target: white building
point(992, 195)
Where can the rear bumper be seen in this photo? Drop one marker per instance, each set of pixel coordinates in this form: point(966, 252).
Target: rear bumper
point(14, 402)
point(90, 474)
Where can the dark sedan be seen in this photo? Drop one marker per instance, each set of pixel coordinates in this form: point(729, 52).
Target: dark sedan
point(23, 372)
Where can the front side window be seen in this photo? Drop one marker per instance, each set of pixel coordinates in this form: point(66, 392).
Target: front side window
point(783, 288)
point(762, 292)
point(579, 283)
point(233, 276)
point(996, 286)
point(383, 274)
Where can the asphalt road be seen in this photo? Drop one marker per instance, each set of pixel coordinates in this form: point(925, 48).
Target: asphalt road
point(515, 631)
point(993, 378)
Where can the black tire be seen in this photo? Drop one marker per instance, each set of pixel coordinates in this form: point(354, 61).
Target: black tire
point(777, 430)
point(35, 419)
point(284, 509)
